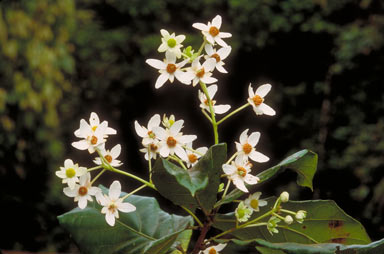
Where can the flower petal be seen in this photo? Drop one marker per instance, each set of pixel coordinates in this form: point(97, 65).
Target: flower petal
point(81, 145)
point(225, 35)
point(224, 52)
point(250, 179)
point(155, 63)
point(267, 109)
point(116, 150)
point(208, 80)
point(258, 157)
point(244, 137)
point(221, 42)
point(126, 207)
point(161, 80)
point(221, 109)
point(115, 190)
point(212, 89)
point(201, 26)
point(176, 127)
point(263, 90)
point(216, 21)
point(110, 218)
point(228, 169)
point(239, 183)
point(253, 139)
point(140, 130)
point(154, 121)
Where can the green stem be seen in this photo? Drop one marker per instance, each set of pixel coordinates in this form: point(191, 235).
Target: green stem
point(108, 166)
point(201, 48)
point(226, 189)
point(134, 177)
point(94, 168)
point(287, 211)
point(133, 192)
point(278, 216)
point(213, 118)
point(149, 165)
point(232, 113)
point(175, 158)
point(206, 115)
point(232, 157)
point(98, 175)
point(193, 215)
point(298, 232)
point(192, 150)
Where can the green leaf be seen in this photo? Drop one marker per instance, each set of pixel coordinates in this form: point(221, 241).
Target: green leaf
point(325, 248)
point(325, 223)
point(304, 163)
point(185, 187)
point(148, 230)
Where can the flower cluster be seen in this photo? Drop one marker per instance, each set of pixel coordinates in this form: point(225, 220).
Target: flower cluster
point(165, 138)
point(93, 137)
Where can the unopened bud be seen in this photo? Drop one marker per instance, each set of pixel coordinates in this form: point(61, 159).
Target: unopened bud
point(284, 197)
point(288, 219)
point(300, 216)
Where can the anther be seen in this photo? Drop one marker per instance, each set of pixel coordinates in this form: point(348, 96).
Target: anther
point(257, 100)
point(171, 68)
point(171, 142)
point(247, 148)
point(83, 191)
point(214, 31)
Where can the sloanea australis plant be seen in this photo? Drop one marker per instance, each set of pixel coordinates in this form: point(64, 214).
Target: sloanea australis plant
point(199, 180)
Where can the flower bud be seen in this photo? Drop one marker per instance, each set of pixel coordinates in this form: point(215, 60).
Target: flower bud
point(288, 219)
point(284, 197)
point(300, 216)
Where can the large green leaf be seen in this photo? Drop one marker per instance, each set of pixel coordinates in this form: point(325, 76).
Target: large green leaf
point(259, 246)
point(196, 185)
point(265, 247)
point(304, 163)
point(148, 230)
point(325, 223)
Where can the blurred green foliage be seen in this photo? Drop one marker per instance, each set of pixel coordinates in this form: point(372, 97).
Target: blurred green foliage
point(62, 59)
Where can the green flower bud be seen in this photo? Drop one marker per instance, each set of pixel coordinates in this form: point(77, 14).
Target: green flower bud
point(288, 219)
point(284, 197)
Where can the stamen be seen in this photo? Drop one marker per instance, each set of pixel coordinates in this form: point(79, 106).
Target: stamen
point(241, 171)
point(171, 142)
point(94, 128)
point(217, 57)
point(257, 100)
point(83, 191)
point(112, 207)
point(108, 158)
point(247, 148)
point(171, 68)
point(214, 31)
point(153, 148)
point(151, 134)
point(200, 73)
point(93, 140)
point(212, 251)
point(192, 158)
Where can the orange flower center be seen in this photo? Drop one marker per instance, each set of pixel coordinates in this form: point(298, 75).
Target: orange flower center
point(241, 171)
point(212, 251)
point(153, 147)
point(214, 31)
point(206, 102)
point(216, 56)
point(192, 158)
point(171, 142)
point(93, 140)
point(200, 73)
point(112, 207)
point(257, 100)
point(171, 68)
point(247, 148)
point(151, 134)
point(83, 191)
point(108, 158)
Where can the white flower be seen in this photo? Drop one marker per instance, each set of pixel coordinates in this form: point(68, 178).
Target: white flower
point(198, 72)
point(147, 133)
point(193, 156)
point(246, 147)
point(93, 134)
point(169, 69)
point(218, 109)
point(211, 31)
point(256, 99)
point(94, 122)
point(238, 173)
point(253, 201)
point(70, 173)
point(219, 56)
point(172, 140)
point(151, 150)
point(83, 191)
point(214, 249)
point(112, 203)
point(171, 43)
point(110, 155)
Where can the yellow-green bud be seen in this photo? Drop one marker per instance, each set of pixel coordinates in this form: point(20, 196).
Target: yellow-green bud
point(171, 42)
point(288, 219)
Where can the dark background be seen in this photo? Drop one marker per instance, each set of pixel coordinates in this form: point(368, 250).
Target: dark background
point(62, 59)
